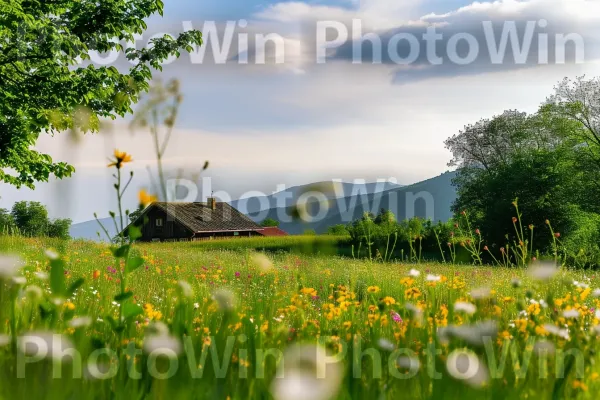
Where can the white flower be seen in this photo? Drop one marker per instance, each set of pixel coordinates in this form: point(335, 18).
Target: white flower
point(596, 293)
point(41, 275)
point(572, 313)
point(52, 254)
point(410, 363)
point(386, 345)
point(168, 345)
point(433, 278)
point(543, 303)
point(302, 379)
point(556, 331)
point(9, 265)
point(481, 293)
point(80, 322)
point(19, 280)
point(544, 347)
point(465, 307)
point(47, 344)
point(580, 285)
point(34, 292)
point(225, 299)
point(543, 271)
point(475, 334)
point(261, 261)
point(464, 365)
point(196, 306)
point(186, 289)
point(414, 273)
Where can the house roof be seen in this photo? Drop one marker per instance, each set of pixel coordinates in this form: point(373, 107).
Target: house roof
point(200, 217)
point(273, 231)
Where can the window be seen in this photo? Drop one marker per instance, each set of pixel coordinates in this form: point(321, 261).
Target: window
point(159, 222)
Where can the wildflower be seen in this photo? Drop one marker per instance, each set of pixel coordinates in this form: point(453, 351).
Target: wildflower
point(9, 265)
point(515, 283)
point(146, 199)
point(467, 308)
point(302, 377)
point(51, 254)
point(225, 299)
point(556, 234)
point(464, 365)
point(485, 248)
point(543, 271)
point(68, 305)
point(47, 344)
point(412, 364)
point(196, 306)
point(473, 334)
point(481, 293)
point(571, 314)
point(262, 262)
point(34, 292)
point(412, 293)
point(373, 289)
point(534, 309)
point(396, 317)
point(121, 158)
point(80, 322)
point(165, 344)
point(386, 345)
point(347, 324)
point(556, 331)
point(414, 273)
point(387, 300)
point(96, 274)
point(433, 278)
point(514, 219)
point(596, 293)
point(186, 289)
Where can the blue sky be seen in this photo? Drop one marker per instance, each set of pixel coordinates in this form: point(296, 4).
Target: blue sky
point(299, 122)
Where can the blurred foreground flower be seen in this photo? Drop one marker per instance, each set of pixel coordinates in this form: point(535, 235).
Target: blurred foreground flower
point(465, 366)
point(225, 299)
point(146, 199)
point(44, 344)
point(475, 334)
point(121, 158)
point(301, 380)
point(261, 262)
point(543, 271)
point(9, 265)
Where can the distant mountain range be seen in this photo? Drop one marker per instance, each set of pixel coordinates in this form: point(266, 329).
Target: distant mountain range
point(337, 203)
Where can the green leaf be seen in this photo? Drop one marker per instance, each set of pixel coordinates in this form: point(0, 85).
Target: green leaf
point(57, 276)
point(134, 232)
point(120, 252)
point(133, 264)
point(123, 296)
point(74, 286)
point(131, 310)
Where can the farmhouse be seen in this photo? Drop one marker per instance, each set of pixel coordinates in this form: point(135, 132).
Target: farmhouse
point(195, 221)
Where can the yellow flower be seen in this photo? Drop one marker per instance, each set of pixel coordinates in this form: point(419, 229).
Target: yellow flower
point(347, 324)
point(121, 158)
point(534, 309)
point(146, 199)
point(407, 281)
point(412, 293)
point(577, 384)
point(68, 305)
point(388, 300)
point(373, 289)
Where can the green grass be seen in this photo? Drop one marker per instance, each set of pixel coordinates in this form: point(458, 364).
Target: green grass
point(284, 300)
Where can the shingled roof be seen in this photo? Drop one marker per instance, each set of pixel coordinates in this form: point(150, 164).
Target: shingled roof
point(200, 217)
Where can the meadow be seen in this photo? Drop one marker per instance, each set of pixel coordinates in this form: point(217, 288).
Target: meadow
point(195, 321)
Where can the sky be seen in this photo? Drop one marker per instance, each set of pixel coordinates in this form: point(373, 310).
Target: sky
point(346, 118)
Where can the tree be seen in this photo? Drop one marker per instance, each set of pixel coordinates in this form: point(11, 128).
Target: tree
point(46, 89)
point(338, 230)
point(31, 218)
point(59, 228)
point(270, 222)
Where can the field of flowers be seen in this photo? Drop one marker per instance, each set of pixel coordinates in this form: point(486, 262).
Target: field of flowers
point(178, 321)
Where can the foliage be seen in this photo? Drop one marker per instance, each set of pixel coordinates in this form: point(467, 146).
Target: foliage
point(338, 230)
point(31, 219)
point(46, 89)
point(269, 222)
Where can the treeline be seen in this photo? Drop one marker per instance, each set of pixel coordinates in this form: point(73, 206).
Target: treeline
point(31, 219)
point(528, 187)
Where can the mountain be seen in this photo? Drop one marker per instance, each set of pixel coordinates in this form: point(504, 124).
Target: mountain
point(344, 201)
point(88, 230)
point(430, 199)
point(288, 197)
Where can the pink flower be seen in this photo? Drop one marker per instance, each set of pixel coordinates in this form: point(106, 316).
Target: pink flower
point(396, 317)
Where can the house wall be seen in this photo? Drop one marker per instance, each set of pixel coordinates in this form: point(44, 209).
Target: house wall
point(170, 229)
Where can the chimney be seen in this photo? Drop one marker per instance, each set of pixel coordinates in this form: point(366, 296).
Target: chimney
point(212, 203)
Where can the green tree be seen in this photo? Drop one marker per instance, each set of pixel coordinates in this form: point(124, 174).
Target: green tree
point(59, 228)
point(338, 230)
point(270, 222)
point(45, 88)
point(31, 218)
